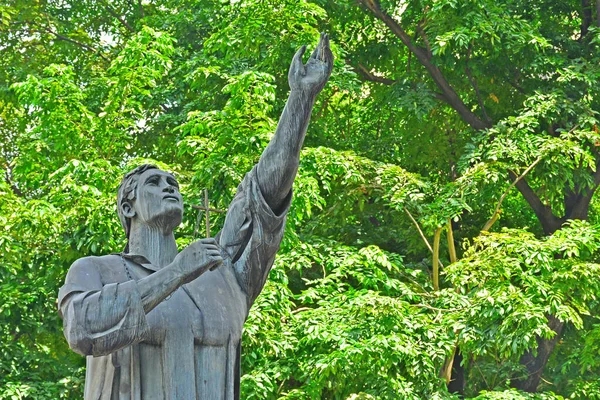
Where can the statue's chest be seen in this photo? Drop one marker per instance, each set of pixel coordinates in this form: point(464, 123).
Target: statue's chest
point(211, 309)
point(176, 317)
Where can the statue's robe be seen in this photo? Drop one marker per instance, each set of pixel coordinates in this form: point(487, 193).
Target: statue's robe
point(187, 347)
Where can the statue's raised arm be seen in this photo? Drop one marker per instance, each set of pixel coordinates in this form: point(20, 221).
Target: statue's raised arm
point(255, 221)
point(278, 164)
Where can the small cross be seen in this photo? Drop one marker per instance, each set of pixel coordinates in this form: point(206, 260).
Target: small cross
point(207, 210)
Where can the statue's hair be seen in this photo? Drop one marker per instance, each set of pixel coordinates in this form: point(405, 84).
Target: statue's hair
point(127, 190)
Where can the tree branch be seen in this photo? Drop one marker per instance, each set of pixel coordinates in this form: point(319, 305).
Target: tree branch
point(597, 173)
point(496, 213)
point(436, 259)
point(451, 246)
point(450, 95)
point(577, 202)
point(76, 42)
point(446, 371)
point(369, 76)
point(421, 33)
point(475, 86)
point(112, 12)
point(550, 222)
point(515, 85)
point(422, 234)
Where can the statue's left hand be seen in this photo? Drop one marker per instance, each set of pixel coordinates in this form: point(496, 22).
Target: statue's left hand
point(312, 77)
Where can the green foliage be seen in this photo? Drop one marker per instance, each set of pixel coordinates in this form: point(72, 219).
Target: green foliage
point(88, 90)
point(354, 306)
point(516, 395)
point(514, 281)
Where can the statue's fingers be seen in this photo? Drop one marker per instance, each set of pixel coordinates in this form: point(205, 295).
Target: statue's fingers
point(315, 53)
point(327, 54)
point(217, 264)
point(297, 67)
point(317, 50)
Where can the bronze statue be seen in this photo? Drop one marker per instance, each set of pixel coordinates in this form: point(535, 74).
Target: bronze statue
point(156, 323)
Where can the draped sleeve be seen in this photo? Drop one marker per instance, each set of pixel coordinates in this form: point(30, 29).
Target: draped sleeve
point(251, 235)
point(100, 318)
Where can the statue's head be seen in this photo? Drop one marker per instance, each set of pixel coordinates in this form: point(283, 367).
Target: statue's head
point(149, 196)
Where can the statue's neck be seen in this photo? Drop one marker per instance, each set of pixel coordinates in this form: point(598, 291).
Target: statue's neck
point(157, 246)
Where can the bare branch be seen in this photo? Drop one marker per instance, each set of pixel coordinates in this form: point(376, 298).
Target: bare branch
point(446, 371)
point(515, 85)
point(577, 202)
point(215, 210)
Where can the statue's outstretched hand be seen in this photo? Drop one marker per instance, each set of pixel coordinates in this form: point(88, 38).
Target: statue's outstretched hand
point(312, 77)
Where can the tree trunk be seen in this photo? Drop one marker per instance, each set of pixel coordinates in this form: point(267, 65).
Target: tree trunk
point(457, 382)
point(586, 17)
point(576, 207)
point(535, 364)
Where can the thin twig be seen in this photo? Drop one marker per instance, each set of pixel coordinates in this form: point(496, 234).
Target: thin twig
point(422, 234)
point(207, 213)
point(419, 229)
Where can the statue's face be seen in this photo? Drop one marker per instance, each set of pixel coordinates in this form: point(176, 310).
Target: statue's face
point(158, 201)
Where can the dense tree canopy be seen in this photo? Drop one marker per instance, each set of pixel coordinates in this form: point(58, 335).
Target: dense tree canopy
point(443, 240)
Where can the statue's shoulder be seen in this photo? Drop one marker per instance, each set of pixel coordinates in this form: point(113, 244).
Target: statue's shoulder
point(102, 268)
point(90, 273)
point(97, 261)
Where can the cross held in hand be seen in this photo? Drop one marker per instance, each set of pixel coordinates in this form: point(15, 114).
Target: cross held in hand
point(207, 210)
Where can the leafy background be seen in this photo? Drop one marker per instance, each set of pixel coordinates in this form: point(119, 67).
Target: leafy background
point(443, 238)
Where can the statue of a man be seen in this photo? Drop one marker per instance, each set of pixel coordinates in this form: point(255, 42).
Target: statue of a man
point(158, 324)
